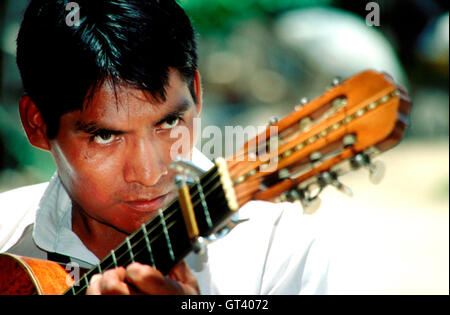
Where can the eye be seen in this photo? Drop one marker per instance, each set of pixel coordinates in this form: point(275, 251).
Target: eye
point(170, 123)
point(103, 137)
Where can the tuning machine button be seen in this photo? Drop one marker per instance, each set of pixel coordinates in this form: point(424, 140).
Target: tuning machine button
point(327, 178)
point(310, 206)
point(376, 169)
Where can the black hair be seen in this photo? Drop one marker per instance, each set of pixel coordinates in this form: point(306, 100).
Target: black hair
point(128, 41)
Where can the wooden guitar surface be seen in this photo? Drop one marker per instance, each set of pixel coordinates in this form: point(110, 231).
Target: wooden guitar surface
point(30, 276)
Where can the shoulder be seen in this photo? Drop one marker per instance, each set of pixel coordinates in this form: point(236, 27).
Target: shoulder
point(279, 252)
point(23, 195)
point(17, 210)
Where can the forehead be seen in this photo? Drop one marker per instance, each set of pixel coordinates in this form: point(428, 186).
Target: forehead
point(120, 98)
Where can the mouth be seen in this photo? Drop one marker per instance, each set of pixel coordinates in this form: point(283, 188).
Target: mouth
point(147, 205)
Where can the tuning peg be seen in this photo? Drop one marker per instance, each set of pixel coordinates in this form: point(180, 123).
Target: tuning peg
point(349, 140)
point(273, 121)
point(310, 206)
point(315, 156)
point(336, 81)
point(284, 174)
point(377, 170)
point(342, 188)
point(326, 178)
point(303, 102)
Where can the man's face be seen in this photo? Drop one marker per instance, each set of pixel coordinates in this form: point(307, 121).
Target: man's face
point(113, 157)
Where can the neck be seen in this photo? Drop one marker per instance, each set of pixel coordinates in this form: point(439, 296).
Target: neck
point(98, 237)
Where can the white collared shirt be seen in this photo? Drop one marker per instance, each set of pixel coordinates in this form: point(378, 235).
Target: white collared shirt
point(274, 252)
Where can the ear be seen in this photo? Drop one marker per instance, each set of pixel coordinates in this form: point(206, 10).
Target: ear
point(33, 123)
point(198, 91)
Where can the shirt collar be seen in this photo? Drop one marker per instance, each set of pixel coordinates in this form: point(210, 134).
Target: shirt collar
point(53, 227)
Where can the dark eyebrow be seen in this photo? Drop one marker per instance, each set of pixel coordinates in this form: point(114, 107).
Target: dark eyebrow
point(180, 108)
point(94, 128)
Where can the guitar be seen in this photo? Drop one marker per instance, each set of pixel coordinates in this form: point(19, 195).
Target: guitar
point(341, 131)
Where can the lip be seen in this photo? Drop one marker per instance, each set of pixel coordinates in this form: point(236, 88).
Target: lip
point(147, 205)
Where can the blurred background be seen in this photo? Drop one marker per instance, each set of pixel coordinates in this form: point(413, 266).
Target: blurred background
point(258, 58)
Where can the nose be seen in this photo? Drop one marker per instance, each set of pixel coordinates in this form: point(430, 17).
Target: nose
point(144, 163)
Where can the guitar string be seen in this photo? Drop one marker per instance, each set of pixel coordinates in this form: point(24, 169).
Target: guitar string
point(169, 224)
point(169, 214)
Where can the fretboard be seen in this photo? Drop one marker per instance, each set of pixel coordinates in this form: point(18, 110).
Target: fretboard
point(163, 241)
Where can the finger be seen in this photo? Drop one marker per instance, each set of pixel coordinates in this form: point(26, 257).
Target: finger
point(113, 282)
point(94, 285)
point(179, 272)
point(184, 276)
point(151, 281)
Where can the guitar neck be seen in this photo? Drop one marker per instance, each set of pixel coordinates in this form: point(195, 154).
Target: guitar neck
point(163, 241)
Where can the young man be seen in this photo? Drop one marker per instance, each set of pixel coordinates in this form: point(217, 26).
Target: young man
point(103, 96)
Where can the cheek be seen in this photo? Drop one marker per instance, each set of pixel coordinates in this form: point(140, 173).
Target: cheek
point(85, 174)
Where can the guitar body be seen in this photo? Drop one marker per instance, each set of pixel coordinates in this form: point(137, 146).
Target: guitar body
point(30, 276)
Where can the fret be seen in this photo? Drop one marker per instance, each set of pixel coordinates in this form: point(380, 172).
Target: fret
point(113, 255)
point(217, 216)
point(166, 233)
point(80, 289)
point(204, 205)
point(129, 249)
point(147, 243)
point(221, 210)
point(122, 254)
point(99, 269)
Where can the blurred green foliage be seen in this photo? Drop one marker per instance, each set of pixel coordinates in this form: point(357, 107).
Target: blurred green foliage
point(220, 15)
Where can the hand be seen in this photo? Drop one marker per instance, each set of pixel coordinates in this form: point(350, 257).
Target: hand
point(143, 279)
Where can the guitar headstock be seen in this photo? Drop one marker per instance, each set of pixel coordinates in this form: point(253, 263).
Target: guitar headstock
point(340, 131)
